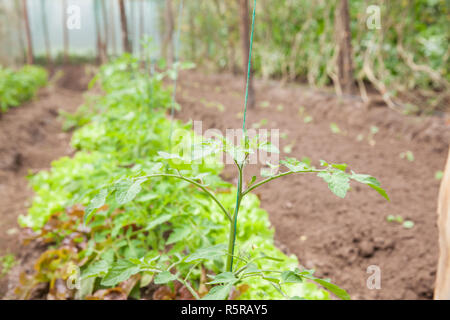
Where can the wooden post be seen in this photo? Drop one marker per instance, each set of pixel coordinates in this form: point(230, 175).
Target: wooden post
point(344, 44)
point(28, 33)
point(112, 20)
point(141, 28)
point(46, 35)
point(105, 27)
point(19, 14)
point(167, 48)
point(442, 287)
point(123, 22)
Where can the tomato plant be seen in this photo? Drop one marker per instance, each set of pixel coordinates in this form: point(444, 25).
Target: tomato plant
point(181, 167)
point(118, 138)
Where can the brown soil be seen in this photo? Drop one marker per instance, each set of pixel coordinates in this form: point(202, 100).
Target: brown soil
point(30, 138)
point(340, 238)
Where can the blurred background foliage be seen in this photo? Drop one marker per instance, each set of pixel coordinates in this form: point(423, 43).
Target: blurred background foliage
point(295, 40)
point(406, 60)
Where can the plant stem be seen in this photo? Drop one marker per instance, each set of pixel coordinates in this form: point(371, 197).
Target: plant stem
point(239, 195)
point(277, 176)
point(233, 225)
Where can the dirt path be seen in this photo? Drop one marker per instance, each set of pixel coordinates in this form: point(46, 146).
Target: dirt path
point(340, 238)
point(30, 138)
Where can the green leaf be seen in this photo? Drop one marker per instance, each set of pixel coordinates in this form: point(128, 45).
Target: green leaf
point(156, 222)
point(252, 181)
point(165, 277)
point(127, 190)
point(334, 128)
point(251, 268)
point(341, 166)
point(274, 280)
point(338, 292)
point(408, 224)
point(266, 172)
point(120, 271)
point(168, 156)
point(148, 197)
point(224, 277)
point(176, 161)
point(179, 234)
point(290, 277)
point(207, 253)
point(86, 288)
point(307, 119)
point(371, 182)
point(408, 155)
point(288, 148)
point(97, 269)
point(380, 191)
point(219, 292)
point(323, 163)
point(306, 161)
point(365, 178)
point(338, 182)
point(295, 165)
point(96, 202)
point(439, 175)
point(390, 218)
point(268, 147)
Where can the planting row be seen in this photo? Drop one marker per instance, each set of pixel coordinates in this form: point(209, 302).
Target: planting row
point(19, 86)
point(140, 211)
point(167, 242)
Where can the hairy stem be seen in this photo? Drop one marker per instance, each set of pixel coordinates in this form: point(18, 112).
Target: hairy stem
point(233, 224)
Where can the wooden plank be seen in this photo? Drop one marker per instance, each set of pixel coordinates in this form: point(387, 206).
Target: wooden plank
point(442, 288)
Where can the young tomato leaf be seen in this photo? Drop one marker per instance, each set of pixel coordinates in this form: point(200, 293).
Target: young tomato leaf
point(156, 222)
point(96, 269)
point(268, 147)
point(179, 234)
point(266, 172)
point(165, 277)
point(341, 166)
point(252, 181)
point(290, 277)
point(224, 277)
point(295, 165)
point(207, 253)
point(126, 191)
point(371, 182)
point(96, 202)
point(120, 271)
point(338, 292)
point(338, 182)
point(219, 292)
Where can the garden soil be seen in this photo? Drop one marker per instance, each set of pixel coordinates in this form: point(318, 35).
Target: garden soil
point(340, 238)
point(31, 137)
